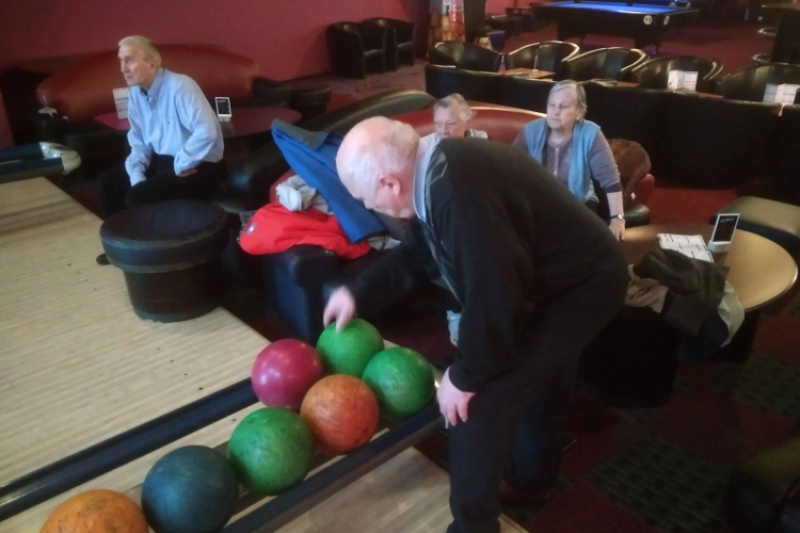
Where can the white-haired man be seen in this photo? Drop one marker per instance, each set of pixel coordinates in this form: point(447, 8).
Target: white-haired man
point(451, 120)
point(537, 276)
point(175, 137)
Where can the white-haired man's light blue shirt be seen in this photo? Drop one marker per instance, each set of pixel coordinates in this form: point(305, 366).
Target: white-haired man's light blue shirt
point(173, 118)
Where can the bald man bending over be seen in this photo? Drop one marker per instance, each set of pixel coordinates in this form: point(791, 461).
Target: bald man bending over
point(536, 273)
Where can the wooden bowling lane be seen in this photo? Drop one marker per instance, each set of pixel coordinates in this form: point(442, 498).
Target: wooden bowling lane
point(76, 365)
point(407, 494)
point(128, 478)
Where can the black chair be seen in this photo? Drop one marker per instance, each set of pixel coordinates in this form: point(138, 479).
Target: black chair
point(523, 93)
point(787, 186)
point(400, 43)
point(465, 55)
point(353, 48)
point(546, 55)
point(441, 81)
point(715, 143)
point(603, 63)
point(654, 74)
point(749, 83)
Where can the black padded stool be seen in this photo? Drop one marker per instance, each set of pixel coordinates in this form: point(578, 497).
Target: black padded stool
point(776, 221)
point(511, 24)
point(170, 254)
point(310, 98)
point(763, 494)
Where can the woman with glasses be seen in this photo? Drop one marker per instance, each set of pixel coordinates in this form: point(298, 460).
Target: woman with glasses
point(575, 151)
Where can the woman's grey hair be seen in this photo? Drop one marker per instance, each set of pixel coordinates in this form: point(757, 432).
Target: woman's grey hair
point(147, 46)
point(580, 93)
point(455, 99)
point(387, 153)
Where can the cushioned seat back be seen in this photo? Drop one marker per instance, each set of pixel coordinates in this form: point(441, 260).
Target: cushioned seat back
point(403, 31)
point(502, 125)
point(466, 56)
point(85, 90)
point(441, 81)
point(654, 74)
point(523, 93)
point(707, 152)
point(605, 63)
point(251, 177)
point(749, 83)
point(546, 55)
point(552, 53)
point(635, 114)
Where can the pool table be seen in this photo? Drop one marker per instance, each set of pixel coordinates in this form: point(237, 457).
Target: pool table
point(644, 21)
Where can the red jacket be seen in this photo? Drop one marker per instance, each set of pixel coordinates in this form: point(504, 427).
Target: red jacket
point(274, 229)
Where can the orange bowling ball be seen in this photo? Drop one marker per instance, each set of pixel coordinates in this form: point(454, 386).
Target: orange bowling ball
point(97, 511)
point(342, 412)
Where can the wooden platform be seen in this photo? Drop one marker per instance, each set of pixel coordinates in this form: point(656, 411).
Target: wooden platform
point(409, 494)
point(76, 364)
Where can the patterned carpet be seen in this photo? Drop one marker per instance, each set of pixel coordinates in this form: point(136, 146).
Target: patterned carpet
point(665, 470)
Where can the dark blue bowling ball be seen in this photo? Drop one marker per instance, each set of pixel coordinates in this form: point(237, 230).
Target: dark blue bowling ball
point(190, 490)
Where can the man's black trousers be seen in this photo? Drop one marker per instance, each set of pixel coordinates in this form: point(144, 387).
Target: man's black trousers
point(516, 423)
point(116, 193)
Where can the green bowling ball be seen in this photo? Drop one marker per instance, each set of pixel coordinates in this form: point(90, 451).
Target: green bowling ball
point(349, 351)
point(271, 450)
point(402, 381)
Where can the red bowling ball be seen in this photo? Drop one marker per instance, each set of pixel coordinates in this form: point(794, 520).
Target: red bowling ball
point(283, 373)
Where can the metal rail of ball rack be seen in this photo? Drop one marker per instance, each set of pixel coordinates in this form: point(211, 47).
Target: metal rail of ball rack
point(40, 485)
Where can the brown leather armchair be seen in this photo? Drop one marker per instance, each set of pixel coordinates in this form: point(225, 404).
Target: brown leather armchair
point(400, 40)
point(465, 56)
point(603, 63)
point(354, 48)
point(654, 74)
point(546, 55)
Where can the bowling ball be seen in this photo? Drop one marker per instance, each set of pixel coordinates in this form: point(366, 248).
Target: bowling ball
point(402, 382)
point(283, 373)
point(97, 511)
point(342, 413)
point(348, 351)
point(271, 450)
point(190, 490)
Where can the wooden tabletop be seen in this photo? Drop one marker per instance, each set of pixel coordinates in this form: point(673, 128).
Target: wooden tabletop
point(760, 270)
point(530, 73)
point(76, 365)
point(246, 121)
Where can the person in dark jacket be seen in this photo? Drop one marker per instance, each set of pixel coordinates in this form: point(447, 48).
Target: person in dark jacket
point(536, 274)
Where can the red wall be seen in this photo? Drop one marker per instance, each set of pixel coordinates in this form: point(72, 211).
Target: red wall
point(285, 37)
point(499, 6)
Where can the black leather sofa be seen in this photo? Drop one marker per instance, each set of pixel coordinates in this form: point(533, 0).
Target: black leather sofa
point(250, 178)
